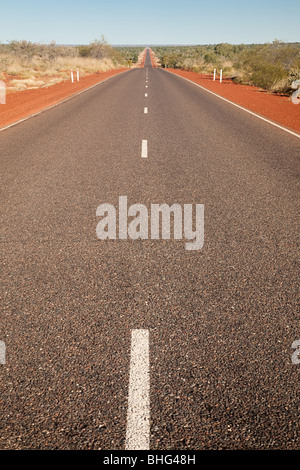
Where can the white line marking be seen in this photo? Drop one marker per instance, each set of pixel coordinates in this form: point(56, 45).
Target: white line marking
point(146, 86)
point(146, 94)
point(145, 110)
point(144, 149)
point(138, 414)
point(238, 106)
point(60, 102)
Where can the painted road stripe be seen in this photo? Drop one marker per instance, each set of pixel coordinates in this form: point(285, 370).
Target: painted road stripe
point(146, 94)
point(138, 415)
point(237, 105)
point(145, 110)
point(144, 148)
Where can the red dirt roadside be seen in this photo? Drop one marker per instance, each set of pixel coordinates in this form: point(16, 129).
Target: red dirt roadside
point(152, 58)
point(277, 108)
point(24, 103)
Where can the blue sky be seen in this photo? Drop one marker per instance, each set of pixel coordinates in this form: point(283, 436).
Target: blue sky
point(150, 22)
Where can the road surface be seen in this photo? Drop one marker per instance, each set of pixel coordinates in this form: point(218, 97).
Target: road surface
point(213, 328)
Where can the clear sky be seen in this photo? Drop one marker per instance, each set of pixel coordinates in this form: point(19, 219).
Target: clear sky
point(150, 22)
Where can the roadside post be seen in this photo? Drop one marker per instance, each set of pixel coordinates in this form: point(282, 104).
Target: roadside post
point(72, 76)
point(221, 75)
point(214, 75)
point(77, 75)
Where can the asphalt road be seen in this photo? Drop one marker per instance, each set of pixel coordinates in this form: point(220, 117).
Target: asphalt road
point(221, 321)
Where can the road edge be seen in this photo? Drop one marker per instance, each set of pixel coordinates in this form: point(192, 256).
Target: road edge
point(60, 102)
point(237, 105)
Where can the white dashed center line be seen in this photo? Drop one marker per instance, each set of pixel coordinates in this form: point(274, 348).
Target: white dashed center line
point(144, 149)
point(146, 94)
point(138, 415)
point(145, 110)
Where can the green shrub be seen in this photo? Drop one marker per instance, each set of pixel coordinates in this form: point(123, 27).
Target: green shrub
point(266, 75)
point(84, 51)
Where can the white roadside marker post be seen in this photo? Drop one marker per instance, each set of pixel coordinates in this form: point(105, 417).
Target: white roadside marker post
point(214, 75)
point(2, 92)
point(77, 75)
point(72, 77)
point(221, 73)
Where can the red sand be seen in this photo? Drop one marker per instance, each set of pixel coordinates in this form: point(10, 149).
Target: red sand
point(152, 58)
point(277, 108)
point(24, 103)
point(142, 64)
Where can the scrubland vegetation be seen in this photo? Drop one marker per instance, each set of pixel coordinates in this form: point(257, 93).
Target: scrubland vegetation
point(273, 66)
point(25, 64)
point(131, 54)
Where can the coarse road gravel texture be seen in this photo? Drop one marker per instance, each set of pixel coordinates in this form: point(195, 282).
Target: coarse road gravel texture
point(221, 320)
